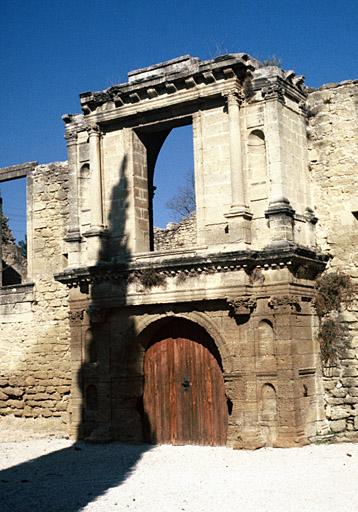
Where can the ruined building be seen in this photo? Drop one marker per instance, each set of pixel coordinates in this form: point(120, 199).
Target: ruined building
point(212, 341)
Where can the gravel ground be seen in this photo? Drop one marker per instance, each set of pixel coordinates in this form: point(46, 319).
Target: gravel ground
point(58, 476)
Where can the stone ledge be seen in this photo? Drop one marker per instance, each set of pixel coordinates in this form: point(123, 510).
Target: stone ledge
point(16, 293)
point(17, 171)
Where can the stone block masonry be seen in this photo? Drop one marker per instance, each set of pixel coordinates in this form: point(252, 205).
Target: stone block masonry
point(34, 332)
point(333, 159)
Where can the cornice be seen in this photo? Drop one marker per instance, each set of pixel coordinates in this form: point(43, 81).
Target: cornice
point(279, 86)
point(198, 73)
point(187, 80)
point(302, 262)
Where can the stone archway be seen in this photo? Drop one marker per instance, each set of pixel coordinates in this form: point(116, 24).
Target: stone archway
point(184, 398)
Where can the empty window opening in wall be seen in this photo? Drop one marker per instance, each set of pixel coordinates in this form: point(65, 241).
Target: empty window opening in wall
point(13, 239)
point(173, 203)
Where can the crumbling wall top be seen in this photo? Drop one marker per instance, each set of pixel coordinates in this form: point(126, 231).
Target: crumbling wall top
point(180, 64)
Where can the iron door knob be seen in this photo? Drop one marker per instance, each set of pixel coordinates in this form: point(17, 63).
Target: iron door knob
point(186, 383)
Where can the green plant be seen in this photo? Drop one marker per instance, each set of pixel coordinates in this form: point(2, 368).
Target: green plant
point(150, 277)
point(181, 277)
point(334, 339)
point(7, 236)
point(333, 290)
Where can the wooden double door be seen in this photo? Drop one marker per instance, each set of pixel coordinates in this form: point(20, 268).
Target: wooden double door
point(184, 397)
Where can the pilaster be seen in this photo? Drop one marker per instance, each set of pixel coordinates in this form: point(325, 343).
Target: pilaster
point(96, 178)
point(279, 213)
point(73, 235)
point(95, 234)
point(239, 215)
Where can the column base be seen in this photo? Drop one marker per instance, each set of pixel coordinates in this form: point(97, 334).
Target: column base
point(73, 235)
point(97, 249)
point(73, 241)
point(99, 231)
point(239, 227)
point(280, 215)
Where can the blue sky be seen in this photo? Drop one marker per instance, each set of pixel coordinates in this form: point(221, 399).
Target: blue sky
point(51, 50)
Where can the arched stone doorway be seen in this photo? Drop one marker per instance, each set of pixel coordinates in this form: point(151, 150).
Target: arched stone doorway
point(184, 397)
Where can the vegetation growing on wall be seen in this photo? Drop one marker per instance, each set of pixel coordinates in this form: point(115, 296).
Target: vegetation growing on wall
point(333, 291)
point(7, 236)
point(272, 61)
point(150, 277)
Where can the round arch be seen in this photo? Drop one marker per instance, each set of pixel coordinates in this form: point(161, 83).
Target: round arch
point(151, 323)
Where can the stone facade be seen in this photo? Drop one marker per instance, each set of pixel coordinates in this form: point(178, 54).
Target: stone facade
point(105, 284)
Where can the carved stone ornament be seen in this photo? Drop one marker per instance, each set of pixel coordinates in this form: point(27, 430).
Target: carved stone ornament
point(284, 303)
point(97, 315)
point(76, 316)
point(71, 136)
point(234, 97)
point(274, 91)
point(241, 306)
point(94, 129)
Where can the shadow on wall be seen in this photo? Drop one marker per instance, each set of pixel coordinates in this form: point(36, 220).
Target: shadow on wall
point(68, 479)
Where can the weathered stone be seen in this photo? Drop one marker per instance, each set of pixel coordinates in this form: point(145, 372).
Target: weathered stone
point(13, 392)
point(30, 381)
point(339, 393)
point(338, 426)
point(337, 413)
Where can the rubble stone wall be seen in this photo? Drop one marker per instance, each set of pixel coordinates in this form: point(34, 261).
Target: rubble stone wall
point(333, 155)
point(34, 331)
point(176, 236)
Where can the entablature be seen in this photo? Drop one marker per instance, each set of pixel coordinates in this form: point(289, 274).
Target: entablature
point(302, 262)
point(189, 75)
point(180, 84)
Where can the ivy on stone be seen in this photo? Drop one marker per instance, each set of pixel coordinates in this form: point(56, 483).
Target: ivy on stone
point(333, 291)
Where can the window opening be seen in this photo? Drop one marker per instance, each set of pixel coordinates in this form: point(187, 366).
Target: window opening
point(173, 192)
point(13, 238)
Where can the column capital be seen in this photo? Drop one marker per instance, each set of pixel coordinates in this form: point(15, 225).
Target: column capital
point(76, 317)
point(70, 136)
point(94, 130)
point(233, 97)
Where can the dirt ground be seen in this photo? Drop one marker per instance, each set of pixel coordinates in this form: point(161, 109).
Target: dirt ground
point(55, 475)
